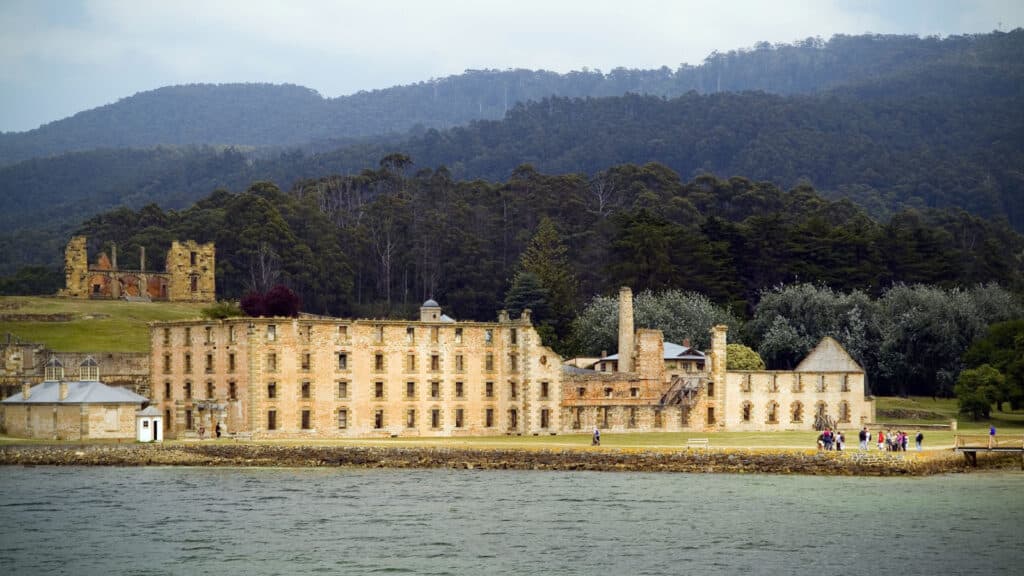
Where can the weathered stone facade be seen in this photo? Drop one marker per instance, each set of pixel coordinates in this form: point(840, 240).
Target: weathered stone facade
point(334, 378)
point(23, 362)
point(189, 276)
point(664, 394)
point(72, 422)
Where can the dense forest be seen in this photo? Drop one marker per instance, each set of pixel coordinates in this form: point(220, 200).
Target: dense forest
point(381, 242)
point(263, 115)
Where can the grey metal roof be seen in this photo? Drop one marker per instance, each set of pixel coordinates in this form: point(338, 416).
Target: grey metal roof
point(431, 303)
point(79, 392)
point(672, 352)
point(447, 318)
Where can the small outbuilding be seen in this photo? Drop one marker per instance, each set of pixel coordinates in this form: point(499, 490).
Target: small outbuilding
point(149, 425)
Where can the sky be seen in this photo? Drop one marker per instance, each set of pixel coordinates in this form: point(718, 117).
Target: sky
point(60, 57)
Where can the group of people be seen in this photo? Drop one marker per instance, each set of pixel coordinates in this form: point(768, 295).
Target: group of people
point(891, 441)
point(831, 440)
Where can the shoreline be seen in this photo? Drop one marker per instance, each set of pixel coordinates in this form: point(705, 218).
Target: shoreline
point(731, 461)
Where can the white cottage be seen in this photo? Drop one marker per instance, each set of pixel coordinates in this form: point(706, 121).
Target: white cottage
point(149, 425)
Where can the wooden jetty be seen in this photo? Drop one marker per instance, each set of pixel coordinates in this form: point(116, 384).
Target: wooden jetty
point(970, 444)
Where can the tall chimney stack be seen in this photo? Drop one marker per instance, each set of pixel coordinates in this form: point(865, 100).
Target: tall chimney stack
point(113, 255)
point(142, 258)
point(625, 329)
point(26, 390)
point(63, 390)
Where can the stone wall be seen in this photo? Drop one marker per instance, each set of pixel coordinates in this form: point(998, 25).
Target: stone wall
point(591, 459)
point(70, 421)
point(189, 277)
point(191, 267)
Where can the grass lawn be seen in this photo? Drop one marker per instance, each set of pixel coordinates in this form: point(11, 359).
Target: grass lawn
point(941, 411)
point(68, 325)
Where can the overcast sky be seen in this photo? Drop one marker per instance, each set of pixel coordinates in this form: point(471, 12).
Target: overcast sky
point(59, 57)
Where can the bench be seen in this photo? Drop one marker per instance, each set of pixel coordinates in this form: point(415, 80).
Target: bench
point(242, 436)
point(698, 443)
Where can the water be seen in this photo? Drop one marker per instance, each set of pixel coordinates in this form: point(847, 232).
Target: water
point(341, 521)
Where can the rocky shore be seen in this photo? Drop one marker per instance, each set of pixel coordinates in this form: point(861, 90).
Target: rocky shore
point(771, 461)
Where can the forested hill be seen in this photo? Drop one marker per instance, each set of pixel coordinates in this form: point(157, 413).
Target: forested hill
point(380, 243)
point(264, 115)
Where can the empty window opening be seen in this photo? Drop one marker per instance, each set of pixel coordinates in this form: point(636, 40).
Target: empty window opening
point(459, 390)
point(342, 389)
point(378, 362)
point(306, 420)
point(272, 420)
point(209, 390)
point(410, 389)
point(342, 419)
point(545, 416)
point(634, 392)
point(489, 389)
point(306, 390)
point(435, 418)
point(272, 390)
point(232, 391)
point(188, 390)
point(378, 419)
point(410, 418)
point(342, 361)
point(378, 390)
point(458, 417)
point(435, 362)
point(435, 390)
point(544, 386)
point(489, 418)
point(306, 361)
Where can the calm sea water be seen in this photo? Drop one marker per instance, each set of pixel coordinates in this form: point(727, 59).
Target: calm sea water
point(340, 521)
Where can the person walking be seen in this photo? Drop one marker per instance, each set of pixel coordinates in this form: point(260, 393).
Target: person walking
point(918, 440)
point(597, 437)
point(863, 437)
point(991, 435)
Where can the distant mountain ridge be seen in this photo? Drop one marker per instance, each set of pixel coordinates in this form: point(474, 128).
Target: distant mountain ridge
point(267, 115)
point(928, 123)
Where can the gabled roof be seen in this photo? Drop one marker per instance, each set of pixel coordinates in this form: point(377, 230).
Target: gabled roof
point(672, 352)
point(79, 392)
point(828, 356)
point(149, 411)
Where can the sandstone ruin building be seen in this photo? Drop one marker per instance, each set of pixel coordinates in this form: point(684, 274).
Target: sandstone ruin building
point(80, 408)
point(335, 378)
point(189, 275)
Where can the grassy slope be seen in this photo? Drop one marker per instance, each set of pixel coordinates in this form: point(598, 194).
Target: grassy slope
point(91, 325)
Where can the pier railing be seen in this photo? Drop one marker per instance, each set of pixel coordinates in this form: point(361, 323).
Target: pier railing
point(1010, 442)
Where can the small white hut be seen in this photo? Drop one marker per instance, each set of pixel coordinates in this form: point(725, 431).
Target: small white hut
point(149, 424)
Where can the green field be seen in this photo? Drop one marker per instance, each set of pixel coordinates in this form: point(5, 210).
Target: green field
point(67, 325)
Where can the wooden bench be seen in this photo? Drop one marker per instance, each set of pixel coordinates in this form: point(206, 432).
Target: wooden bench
point(698, 443)
point(247, 436)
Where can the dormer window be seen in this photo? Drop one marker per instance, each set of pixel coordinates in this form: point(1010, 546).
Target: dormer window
point(54, 370)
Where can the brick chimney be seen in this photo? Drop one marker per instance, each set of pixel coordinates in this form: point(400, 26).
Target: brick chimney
point(625, 329)
point(26, 390)
point(63, 391)
point(686, 342)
